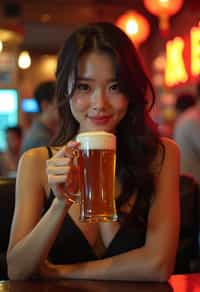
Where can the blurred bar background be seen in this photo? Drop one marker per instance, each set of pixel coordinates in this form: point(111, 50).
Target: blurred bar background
point(38, 28)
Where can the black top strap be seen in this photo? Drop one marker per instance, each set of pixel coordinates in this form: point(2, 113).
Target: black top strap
point(51, 195)
point(50, 153)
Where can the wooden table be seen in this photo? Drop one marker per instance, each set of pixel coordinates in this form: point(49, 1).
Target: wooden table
point(179, 283)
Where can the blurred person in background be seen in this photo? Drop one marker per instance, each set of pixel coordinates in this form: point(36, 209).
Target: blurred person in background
point(44, 126)
point(187, 133)
point(9, 159)
point(183, 102)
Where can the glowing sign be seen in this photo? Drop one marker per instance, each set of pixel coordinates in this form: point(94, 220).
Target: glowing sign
point(175, 71)
point(195, 51)
point(175, 68)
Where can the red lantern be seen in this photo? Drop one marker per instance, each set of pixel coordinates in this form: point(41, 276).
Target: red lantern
point(135, 26)
point(163, 9)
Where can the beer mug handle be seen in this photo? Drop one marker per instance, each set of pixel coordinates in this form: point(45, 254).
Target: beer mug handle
point(75, 153)
point(76, 197)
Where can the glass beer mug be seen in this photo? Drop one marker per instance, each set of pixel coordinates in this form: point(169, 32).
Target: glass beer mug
point(96, 163)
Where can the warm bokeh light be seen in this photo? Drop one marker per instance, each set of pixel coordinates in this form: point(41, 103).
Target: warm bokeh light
point(24, 60)
point(164, 1)
point(132, 27)
point(11, 34)
point(195, 50)
point(158, 79)
point(159, 63)
point(48, 65)
point(175, 71)
point(1, 46)
point(163, 9)
point(135, 26)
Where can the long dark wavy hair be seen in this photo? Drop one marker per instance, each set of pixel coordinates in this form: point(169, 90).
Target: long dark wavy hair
point(138, 142)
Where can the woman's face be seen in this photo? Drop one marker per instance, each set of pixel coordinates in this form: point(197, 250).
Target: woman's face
point(97, 103)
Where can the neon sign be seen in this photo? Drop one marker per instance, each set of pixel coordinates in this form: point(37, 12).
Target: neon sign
point(195, 51)
point(176, 72)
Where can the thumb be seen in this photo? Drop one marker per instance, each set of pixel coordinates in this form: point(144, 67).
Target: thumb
point(67, 150)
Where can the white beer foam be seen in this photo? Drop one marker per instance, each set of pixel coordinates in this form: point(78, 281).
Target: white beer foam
point(97, 140)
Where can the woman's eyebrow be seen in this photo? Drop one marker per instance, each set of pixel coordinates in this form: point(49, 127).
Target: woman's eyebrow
point(84, 79)
point(91, 79)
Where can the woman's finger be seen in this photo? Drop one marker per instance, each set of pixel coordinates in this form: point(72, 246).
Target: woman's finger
point(52, 170)
point(60, 153)
point(67, 150)
point(56, 179)
point(64, 161)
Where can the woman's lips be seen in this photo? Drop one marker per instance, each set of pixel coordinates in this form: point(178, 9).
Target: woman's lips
point(100, 120)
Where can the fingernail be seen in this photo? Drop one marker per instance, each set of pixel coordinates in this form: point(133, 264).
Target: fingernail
point(72, 144)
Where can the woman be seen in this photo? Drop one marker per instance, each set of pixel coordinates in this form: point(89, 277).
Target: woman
point(101, 85)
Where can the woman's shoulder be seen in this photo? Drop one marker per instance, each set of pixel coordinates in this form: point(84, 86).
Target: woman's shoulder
point(33, 159)
point(32, 164)
point(35, 153)
point(168, 150)
point(171, 152)
point(37, 156)
point(169, 145)
point(43, 152)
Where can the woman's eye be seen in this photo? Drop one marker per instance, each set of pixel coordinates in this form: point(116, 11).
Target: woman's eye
point(83, 87)
point(114, 87)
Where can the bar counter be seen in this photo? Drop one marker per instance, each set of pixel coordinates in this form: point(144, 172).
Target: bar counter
point(177, 283)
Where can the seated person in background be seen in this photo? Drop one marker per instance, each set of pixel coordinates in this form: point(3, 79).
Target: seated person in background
point(9, 159)
point(187, 136)
point(101, 86)
point(183, 102)
point(44, 126)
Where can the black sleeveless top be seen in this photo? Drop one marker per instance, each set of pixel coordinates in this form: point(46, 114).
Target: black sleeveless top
point(71, 246)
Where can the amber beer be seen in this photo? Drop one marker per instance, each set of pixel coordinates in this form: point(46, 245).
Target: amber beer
point(97, 160)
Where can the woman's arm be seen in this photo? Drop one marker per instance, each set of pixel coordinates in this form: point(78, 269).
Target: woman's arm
point(155, 260)
point(32, 236)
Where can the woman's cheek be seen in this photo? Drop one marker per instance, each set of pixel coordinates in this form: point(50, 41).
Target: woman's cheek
point(79, 103)
point(121, 104)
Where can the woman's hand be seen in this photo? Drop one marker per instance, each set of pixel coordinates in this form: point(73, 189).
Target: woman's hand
point(47, 271)
point(62, 173)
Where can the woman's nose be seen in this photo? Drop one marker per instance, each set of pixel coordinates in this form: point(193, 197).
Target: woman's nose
point(99, 100)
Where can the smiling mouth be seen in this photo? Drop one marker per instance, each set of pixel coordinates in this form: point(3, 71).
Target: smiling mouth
point(100, 120)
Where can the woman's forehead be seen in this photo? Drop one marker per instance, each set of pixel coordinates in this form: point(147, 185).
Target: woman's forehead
point(95, 63)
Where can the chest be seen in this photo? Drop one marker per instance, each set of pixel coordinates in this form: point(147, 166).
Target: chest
point(99, 235)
